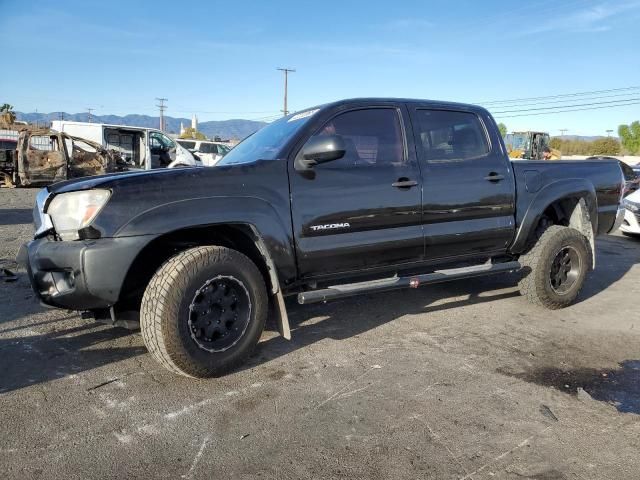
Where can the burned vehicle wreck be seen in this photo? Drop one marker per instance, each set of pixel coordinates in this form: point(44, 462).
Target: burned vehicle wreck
point(45, 156)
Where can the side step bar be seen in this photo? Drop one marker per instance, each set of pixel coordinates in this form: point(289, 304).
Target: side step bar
point(396, 283)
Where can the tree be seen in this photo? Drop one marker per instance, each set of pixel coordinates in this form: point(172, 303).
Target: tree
point(605, 146)
point(503, 129)
point(7, 115)
point(630, 136)
point(195, 135)
point(556, 143)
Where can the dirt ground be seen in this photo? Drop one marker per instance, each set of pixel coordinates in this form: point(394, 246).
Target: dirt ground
point(462, 380)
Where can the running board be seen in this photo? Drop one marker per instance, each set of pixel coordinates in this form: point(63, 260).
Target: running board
point(396, 283)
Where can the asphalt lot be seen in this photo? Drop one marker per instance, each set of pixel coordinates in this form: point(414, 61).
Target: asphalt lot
point(461, 380)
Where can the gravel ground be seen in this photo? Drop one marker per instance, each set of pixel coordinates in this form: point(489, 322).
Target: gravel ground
point(462, 380)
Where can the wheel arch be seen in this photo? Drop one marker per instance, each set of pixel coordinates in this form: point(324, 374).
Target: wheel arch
point(243, 237)
point(571, 203)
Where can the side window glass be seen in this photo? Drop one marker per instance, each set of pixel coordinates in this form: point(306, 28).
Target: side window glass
point(155, 143)
point(450, 136)
point(373, 137)
point(166, 141)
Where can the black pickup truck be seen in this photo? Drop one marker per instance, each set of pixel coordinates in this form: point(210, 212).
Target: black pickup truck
point(357, 196)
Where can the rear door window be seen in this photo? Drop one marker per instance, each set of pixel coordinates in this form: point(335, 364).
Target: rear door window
point(445, 135)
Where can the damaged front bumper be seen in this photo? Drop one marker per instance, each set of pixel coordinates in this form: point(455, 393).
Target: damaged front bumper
point(80, 275)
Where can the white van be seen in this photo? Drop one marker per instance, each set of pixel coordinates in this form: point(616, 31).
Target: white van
point(209, 152)
point(142, 148)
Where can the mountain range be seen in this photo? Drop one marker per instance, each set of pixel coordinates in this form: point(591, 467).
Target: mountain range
point(225, 129)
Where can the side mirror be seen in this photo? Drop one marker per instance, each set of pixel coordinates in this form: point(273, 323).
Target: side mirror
point(322, 149)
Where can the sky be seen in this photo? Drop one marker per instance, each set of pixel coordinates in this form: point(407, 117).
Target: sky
point(218, 60)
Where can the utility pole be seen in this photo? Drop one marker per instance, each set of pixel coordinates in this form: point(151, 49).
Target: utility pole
point(162, 108)
point(90, 116)
point(609, 132)
point(286, 77)
point(562, 130)
point(60, 115)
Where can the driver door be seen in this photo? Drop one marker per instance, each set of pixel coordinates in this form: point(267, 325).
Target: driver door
point(162, 153)
point(362, 211)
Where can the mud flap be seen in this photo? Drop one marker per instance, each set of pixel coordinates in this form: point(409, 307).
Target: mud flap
point(283, 319)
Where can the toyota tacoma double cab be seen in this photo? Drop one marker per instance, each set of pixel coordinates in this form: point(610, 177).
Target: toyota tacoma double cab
point(356, 196)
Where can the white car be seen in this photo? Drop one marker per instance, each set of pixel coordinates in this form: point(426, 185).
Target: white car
point(208, 152)
point(631, 223)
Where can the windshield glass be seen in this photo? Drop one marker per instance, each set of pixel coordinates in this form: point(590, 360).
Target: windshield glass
point(517, 141)
point(267, 142)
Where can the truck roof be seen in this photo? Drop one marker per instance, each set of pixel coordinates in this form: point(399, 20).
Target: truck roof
point(414, 101)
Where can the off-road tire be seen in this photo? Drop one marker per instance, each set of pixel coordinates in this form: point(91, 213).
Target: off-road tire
point(537, 263)
point(167, 300)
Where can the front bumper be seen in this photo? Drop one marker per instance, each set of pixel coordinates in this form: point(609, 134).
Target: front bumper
point(631, 222)
point(80, 275)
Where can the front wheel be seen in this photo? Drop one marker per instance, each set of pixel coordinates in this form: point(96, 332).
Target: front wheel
point(204, 311)
point(555, 268)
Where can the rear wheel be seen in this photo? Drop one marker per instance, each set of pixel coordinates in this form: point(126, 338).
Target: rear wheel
point(555, 268)
point(204, 311)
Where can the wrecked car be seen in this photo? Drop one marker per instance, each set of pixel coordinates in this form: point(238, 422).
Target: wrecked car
point(44, 156)
point(142, 148)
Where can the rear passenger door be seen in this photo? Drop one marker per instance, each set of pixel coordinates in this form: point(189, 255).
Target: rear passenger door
point(363, 210)
point(469, 193)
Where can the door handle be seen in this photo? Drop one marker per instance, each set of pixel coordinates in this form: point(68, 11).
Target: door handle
point(404, 182)
point(494, 177)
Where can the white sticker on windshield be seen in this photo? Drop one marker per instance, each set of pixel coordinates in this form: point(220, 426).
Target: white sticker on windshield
point(301, 115)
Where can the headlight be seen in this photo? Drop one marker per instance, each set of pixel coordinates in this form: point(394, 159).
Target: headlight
point(631, 206)
point(75, 210)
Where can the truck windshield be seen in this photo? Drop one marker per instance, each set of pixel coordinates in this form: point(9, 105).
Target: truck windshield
point(266, 143)
point(517, 141)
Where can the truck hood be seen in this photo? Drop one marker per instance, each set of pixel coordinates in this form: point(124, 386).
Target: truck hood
point(111, 179)
point(136, 194)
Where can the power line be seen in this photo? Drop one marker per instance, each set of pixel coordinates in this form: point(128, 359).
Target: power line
point(565, 111)
point(578, 94)
point(286, 76)
point(610, 102)
point(162, 108)
point(550, 102)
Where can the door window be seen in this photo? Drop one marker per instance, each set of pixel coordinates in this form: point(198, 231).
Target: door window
point(373, 137)
point(447, 135)
point(160, 141)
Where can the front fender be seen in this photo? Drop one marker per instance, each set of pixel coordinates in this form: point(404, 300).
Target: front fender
point(546, 196)
point(255, 212)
